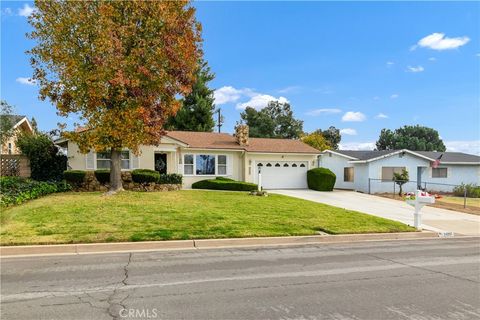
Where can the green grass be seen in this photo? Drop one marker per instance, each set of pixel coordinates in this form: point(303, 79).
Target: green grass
point(474, 202)
point(139, 216)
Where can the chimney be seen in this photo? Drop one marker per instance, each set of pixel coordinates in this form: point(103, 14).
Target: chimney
point(241, 133)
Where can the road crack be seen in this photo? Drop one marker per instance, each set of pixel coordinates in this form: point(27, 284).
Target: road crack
point(114, 307)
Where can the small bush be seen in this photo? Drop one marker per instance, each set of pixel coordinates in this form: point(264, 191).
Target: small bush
point(16, 190)
point(224, 184)
point(74, 176)
point(102, 176)
point(145, 176)
point(473, 191)
point(321, 179)
point(171, 178)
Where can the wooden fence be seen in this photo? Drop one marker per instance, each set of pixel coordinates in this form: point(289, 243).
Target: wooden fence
point(14, 165)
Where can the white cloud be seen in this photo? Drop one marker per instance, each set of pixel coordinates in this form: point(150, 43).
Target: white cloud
point(322, 111)
point(228, 94)
point(27, 81)
point(432, 59)
point(351, 116)
point(394, 96)
point(390, 63)
point(381, 116)
point(438, 41)
point(291, 89)
point(415, 69)
point(26, 11)
point(348, 132)
point(472, 146)
point(259, 101)
point(357, 146)
point(376, 98)
point(478, 54)
point(7, 12)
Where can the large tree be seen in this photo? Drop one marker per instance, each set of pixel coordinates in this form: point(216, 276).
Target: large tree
point(332, 135)
point(274, 121)
point(316, 140)
point(196, 112)
point(416, 138)
point(119, 65)
point(6, 123)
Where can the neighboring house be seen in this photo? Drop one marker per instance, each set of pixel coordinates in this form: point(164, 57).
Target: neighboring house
point(372, 171)
point(205, 155)
point(19, 124)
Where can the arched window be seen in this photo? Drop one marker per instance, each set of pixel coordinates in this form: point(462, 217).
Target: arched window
point(260, 165)
point(285, 165)
point(294, 165)
point(269, 164)
point(277, 165)
point(302, 166)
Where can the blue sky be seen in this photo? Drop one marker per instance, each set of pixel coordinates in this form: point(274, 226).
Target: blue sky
point(358, 66)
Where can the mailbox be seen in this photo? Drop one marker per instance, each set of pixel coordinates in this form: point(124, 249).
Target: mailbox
point(418, 201)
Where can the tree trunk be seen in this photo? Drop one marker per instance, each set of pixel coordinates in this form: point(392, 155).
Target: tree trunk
point(115, 171)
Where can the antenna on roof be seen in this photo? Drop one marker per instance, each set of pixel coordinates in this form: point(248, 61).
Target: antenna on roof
point(219, 119)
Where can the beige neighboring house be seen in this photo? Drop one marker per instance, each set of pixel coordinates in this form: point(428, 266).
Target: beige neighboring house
point(205, 155)
point(20, 124)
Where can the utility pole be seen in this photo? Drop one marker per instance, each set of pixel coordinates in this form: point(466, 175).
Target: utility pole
point(219, 120)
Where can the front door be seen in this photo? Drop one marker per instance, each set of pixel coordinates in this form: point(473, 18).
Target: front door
point(161, 162)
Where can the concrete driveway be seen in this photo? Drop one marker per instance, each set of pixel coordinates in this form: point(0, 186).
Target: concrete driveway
point(434, 219)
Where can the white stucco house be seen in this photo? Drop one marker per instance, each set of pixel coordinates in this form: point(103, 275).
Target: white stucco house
point(205, 155)
point(372, 171)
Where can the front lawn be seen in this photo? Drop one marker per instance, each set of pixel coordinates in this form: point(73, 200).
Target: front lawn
point(139, 216)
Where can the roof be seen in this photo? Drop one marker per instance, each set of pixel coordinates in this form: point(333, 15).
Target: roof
point(446, 157)
point(13, 118)
point(213, 140)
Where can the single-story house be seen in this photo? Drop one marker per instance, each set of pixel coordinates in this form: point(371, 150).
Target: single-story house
point(372, 171)
point(19, 125)
point(206, 155)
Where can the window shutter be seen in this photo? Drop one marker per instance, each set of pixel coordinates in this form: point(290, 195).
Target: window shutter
point(90, 160)
point(134, 160)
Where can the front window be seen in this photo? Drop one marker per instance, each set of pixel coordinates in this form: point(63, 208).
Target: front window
point(439, 172)
point(204, 164)
point(387, 172)
point(10, 149)
point(103, 160)
point(348, 174)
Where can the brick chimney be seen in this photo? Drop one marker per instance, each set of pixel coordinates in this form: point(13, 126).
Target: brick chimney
point(241, 133)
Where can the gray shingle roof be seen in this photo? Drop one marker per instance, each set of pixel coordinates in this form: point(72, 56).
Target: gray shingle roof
point(13, 118)
point(446, 156)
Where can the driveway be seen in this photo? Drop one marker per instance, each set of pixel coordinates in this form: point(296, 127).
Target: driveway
point(434, 219)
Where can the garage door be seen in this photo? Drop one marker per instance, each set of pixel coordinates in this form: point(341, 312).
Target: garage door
point(283, 174)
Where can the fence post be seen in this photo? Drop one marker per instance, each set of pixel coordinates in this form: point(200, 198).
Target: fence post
point(464, 197)
point(425, 188)
point(394, 190)
point(369, 185)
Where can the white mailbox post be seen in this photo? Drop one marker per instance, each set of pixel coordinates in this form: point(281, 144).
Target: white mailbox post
point(421, 199)
point(259, 178)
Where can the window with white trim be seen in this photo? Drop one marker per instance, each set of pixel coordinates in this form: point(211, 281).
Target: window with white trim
point(387, 172)
point(348, 173)
point(205, 165)
point(439, 172)
point(103, 160)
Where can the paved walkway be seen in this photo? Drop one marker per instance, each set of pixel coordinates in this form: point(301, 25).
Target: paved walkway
point(434, 219)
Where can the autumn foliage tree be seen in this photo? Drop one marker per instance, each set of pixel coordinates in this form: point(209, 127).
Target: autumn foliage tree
point(118, 65)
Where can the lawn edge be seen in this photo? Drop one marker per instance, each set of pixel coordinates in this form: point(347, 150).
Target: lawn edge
point(118, 247)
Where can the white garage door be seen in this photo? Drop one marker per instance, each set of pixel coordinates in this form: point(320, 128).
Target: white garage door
point(283, 174)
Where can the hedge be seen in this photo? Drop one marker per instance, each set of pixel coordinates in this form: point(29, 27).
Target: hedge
point(171, 178)
point(145, 176)
point(15, 190)
point(321, 179)
point(102, 176)
point(74, 176)
point(473, 191)
point(224, 184)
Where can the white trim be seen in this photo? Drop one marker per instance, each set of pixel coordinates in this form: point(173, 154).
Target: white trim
point(392, 154)
point(172, 140)
point(22, 121)
point(286, 153)
point(211, 149)
point(460, 163)
point(216, 174)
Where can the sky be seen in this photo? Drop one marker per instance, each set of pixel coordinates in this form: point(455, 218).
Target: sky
point(359, 66)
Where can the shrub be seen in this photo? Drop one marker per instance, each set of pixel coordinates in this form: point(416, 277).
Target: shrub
point(224, 184)
point(102, 176)
point(473, 191)
point(320, 179)
point(171, 178)
point(46, 162)
point(145, 176)
point(74, 176)
point(16, 190)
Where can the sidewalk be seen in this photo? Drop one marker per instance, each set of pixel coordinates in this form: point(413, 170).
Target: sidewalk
point(91, 248)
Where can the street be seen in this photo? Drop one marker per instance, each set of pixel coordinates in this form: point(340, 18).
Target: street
point(415, 279)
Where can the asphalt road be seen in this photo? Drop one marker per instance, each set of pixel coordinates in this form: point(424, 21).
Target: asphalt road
point(420, 279)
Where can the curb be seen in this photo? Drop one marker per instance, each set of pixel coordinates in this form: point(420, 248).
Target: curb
point(93, 248)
